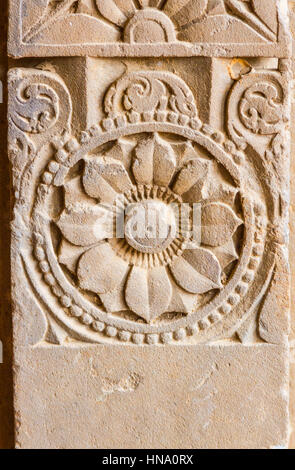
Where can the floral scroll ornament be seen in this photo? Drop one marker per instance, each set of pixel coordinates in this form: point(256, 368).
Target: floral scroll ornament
point(146, 92)
point(262, 107)
point(257, 103)
point(36, 115)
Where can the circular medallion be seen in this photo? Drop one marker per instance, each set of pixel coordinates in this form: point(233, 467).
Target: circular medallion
point(154, 240)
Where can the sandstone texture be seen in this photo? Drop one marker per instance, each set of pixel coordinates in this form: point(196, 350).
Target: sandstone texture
point(135, 398)
point(150, 235)
point(109, 28)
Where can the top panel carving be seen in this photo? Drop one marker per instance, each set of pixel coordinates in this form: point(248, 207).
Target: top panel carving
point(138, 28)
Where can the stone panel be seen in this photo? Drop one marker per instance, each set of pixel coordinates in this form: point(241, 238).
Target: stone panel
point(139, 29)
point(127, 397)
point(150, 225)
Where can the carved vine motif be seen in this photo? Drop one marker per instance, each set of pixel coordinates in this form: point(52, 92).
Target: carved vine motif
point(191, 282)
point(154, 21)
point(258, 108)
point(36, 115)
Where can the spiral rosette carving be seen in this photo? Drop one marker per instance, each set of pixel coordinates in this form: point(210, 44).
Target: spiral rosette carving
point(35, 100)
point(36, 116)
point(258, 102)
point(36, 107)
point(156, 237)
point(261, 108)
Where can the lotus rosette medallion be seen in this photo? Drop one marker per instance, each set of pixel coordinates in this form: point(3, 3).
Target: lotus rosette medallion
point(142, 228)
point(155, 271)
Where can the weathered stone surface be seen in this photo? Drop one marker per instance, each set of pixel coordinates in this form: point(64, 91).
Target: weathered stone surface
point(140, 397)
point(150, 227)
point(292, 255)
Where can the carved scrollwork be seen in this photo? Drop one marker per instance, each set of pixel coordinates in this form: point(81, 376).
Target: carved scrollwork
point(36, 107)
point(40, 108)
point(257, 103)
point(150, 92)
point(261, 107)
point(40, 103)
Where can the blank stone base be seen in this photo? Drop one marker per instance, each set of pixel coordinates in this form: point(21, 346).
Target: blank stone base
point(221, 396)
point(150, 111)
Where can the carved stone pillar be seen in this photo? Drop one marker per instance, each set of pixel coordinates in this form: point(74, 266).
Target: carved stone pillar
point(150, 225)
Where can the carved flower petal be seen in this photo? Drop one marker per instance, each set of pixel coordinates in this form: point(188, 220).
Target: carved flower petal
point(155, 162)
point(197, 271)
point(222, 192)
point(105, 177)
point(150, 3)
point(114, 301)
point(192, 172)
point(85, 226)
point(215, 188)
point(111, 12)
point(126, 6)
point(182, 301)
point(212, 187)
point(75, 194)
point(122, 151)
point(100, 270)
point(211, 190)
point(69, 254)
point(184, 11)
point(225, 254)
point(148, 292)
point(219, 223)
point(184, 152)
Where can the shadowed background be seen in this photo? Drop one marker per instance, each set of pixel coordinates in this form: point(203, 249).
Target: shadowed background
point(6, 400)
